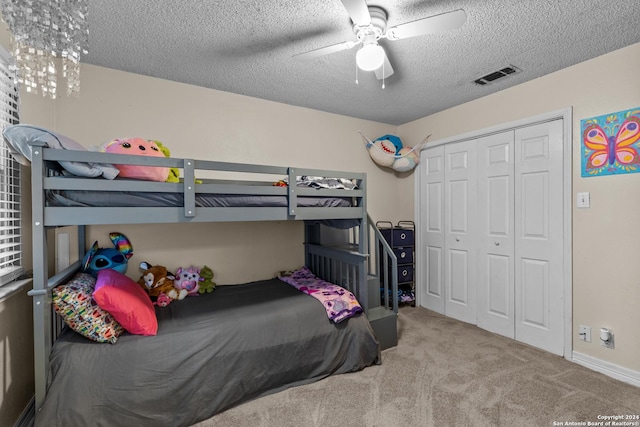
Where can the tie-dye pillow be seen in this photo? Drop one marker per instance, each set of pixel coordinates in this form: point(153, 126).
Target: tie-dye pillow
point(74, 302)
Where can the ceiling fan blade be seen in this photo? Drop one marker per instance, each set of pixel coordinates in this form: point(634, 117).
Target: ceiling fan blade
point(325, 51)
point(433, 24)
point(386, 70)
point(358, 11)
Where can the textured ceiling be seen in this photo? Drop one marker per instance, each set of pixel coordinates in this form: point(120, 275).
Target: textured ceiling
point(247, 47)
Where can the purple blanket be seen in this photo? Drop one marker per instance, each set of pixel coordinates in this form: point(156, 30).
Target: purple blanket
point(339, 303)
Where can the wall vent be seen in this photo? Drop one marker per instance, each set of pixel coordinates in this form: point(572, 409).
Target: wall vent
point(491, 77)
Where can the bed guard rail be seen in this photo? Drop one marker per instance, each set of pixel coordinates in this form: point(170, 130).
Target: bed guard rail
point(192, 184)
point(341, 266)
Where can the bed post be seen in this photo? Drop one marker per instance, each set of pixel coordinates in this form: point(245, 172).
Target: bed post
point(311, 236)
point(363, 247)
point(292, 200)
point(82, 244)
point(189, 188)
point(41, 302)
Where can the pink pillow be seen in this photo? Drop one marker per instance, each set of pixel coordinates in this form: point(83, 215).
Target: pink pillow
point(127, 302)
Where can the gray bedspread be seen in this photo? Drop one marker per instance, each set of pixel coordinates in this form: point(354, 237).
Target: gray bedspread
point(212, 352)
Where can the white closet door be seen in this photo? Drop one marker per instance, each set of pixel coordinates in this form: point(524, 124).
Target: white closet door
point(431, 290)
point(539, 236)
point(495, 226)
point(492, 233)
point(460, 238)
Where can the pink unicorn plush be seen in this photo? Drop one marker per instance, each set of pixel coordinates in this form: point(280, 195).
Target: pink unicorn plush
point(188, 279)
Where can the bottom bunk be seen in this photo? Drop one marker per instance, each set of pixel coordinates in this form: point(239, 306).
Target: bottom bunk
point(211, 352)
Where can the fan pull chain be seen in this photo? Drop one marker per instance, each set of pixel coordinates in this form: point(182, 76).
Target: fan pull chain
point(383, 75)
point(357, 73)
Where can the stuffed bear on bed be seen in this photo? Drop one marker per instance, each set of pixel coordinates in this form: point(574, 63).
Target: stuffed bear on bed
point(158, 282)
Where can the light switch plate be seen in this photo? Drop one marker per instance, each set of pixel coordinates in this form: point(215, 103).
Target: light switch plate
point(583, 200)
point(584, 333)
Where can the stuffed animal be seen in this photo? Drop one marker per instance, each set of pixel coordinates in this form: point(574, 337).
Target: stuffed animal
point(116, 258)
point(392, 143)
point(188, 279)
point(206, 282)
point(163, 300)
point(406, 160)
point(174, 173)
point(140, 147)
point(158, 282)
point(382, 151)
point(389, 152)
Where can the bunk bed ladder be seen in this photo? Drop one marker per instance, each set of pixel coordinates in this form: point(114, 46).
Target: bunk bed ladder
point(383, 310)
point(380, 296)
point(356, 268)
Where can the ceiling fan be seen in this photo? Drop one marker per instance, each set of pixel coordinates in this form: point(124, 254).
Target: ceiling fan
point(370, 25)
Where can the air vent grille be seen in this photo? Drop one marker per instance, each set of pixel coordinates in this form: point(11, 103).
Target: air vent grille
point(491, 77)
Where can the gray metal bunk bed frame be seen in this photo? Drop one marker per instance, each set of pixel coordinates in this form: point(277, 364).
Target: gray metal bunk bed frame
point(345, 266)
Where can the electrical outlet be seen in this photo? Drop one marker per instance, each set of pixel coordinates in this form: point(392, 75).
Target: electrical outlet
point(584, 332)
point(606, 338)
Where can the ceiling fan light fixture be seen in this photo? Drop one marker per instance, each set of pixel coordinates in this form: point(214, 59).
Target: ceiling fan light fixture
point(369, 24)
point(370, 57)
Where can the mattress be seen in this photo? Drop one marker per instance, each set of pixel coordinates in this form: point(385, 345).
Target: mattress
point(212, 352)
point(126, 199)
point(84, 198)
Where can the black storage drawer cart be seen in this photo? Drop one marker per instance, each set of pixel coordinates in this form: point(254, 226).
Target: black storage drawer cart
point(401, 238)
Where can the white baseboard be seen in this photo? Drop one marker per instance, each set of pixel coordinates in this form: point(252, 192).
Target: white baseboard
point(614, 371)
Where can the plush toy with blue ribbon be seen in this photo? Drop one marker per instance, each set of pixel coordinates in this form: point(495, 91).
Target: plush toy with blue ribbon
point(116, 258)
point(389, 152)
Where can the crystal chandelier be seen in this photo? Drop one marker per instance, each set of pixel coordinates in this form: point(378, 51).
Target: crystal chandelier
point(46, 33)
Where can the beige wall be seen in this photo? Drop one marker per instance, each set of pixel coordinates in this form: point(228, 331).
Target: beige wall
point(606, 284)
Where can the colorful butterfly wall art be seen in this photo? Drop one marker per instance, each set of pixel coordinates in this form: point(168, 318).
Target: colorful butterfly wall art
point(610, 144)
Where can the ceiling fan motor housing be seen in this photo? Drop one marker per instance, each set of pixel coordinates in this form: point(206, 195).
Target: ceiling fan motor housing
point(376, 28)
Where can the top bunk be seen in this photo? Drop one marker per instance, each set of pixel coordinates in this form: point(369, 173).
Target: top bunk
point(71, 187)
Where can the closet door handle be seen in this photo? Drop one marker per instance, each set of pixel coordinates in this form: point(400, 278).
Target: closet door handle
point(497, 243)
point(457, 239)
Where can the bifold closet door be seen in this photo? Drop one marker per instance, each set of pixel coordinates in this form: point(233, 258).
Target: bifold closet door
point(496, 303)
point(492, 233)
point(431, 290)
point(520, 215)
point(460, 237)
point(539, 236)
point(448, 239)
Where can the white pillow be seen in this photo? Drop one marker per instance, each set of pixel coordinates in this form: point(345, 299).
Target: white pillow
point(20, 137)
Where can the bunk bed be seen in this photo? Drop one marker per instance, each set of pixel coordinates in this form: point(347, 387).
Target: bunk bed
point(245, 345)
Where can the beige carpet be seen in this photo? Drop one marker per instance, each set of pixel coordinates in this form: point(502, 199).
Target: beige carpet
point(446, 373)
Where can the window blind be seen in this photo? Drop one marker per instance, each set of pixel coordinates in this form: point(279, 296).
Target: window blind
point(10, 202)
